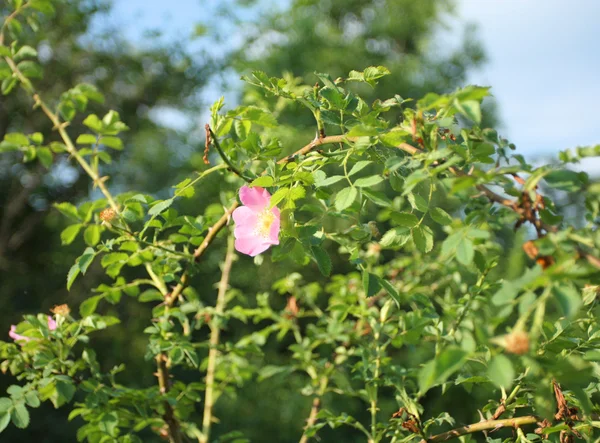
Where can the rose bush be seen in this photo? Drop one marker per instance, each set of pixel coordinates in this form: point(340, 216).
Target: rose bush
point(449, 267)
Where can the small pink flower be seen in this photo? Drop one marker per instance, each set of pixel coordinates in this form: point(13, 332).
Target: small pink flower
point(51, 323)
point(13, 330)
point(256, 225)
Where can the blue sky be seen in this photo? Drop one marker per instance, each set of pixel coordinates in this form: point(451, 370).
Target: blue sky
point(543, 65)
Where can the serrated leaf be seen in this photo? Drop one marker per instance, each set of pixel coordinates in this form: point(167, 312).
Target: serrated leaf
point(68, 235)
point(20, 416)
point(264, 182)
point(395, 237)
point(72, 275)
point(367, 182)
point(91, 235)
point(322, 259)
point(359, 166)
point(330, 180)
point(159, 207)
point(345, 198)
point(423, 238)
point(405, 219)
point(371, 284)
point(88, 307)
point(279, 195)
point(440, 216)
point(389, 288)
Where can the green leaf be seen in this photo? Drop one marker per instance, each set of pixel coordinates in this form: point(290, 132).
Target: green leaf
point(362, 131)
point(566, 180)
point(86, 139)
point(93, 122)
point(367, 182)
point(150, 295)
point(345, 198)
point(470, 109)
point(68, 235)
point(279, 195)
point(65, 389)
point(72, 275)
point(88, 307)
point(114, 257)
point(86, 259)
point(25, 52)
point(465, 251)
point(4, 420)
point(44, 6)
point(359, 166)
point(92, 235)
point(8, 85)
point(30, 69)
point(5, 404)
point(389, 288)
point(423, 238)
point(438, 370)
point(45, 156)
point(501, 371)
point(405, 219)
point(112, 142)
point(322, 259)
point(395, 237)
point(568, 299)
point(440, 216)
point(371, 283)
point(160, 206)
point(20, 416)
point(379, 198)
point(330, 180)
point(32, 399)
point(264, 182)
point(17, 138)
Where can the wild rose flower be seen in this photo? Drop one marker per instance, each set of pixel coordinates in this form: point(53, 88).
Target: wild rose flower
point(256, 225)
point(13, 330)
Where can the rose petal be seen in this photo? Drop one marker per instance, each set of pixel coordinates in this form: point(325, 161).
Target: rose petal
point(255, 198)
point(251, 246)
point(245, 222)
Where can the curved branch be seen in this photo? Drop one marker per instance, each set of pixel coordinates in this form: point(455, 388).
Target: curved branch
point(483, 426)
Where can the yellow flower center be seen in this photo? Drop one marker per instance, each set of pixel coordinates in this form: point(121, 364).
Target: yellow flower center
point(264, 222)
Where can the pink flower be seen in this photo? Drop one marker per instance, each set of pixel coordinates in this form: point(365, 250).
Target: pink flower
point(256, 225)
point(51, 323)
point(13, 330)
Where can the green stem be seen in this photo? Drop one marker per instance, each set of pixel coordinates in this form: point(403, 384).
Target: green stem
point(224, 156)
